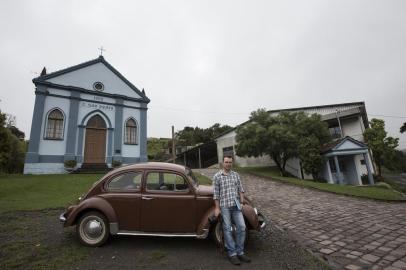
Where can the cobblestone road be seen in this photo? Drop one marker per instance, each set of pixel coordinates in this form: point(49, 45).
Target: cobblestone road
point(350, 233)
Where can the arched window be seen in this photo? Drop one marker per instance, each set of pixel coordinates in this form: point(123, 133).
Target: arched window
point(55, 125)
point(131, 131)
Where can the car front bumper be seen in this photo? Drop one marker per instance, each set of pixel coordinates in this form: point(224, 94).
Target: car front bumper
point(262, 221)
point(62, 217)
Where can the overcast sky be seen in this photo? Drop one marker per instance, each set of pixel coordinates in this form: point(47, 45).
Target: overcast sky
point(203, 62)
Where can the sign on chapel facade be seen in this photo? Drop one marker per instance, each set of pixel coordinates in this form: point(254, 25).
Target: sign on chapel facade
point(89, 113)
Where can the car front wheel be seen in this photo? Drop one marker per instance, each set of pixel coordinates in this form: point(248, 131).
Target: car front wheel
point(93, 229)
point(217, 234)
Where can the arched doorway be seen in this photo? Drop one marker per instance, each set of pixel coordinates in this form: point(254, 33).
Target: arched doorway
point(95, 140)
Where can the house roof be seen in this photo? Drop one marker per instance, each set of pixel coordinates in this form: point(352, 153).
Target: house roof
point(359, 103)
point(42, 79)
point(335, 145)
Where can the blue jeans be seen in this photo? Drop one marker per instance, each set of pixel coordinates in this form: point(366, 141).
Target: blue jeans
point(233, 215)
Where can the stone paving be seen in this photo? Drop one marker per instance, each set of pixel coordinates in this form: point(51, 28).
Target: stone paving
point(349, 233)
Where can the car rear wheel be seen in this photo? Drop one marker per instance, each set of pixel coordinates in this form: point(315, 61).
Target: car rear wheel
point(93, 229)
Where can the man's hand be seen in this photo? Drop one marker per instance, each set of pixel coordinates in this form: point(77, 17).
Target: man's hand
point(217, 211)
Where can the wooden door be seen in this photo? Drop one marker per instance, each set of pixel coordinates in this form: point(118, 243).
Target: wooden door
point(95, 141)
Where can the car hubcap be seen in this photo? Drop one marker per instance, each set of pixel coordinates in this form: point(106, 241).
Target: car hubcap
point(93, 228)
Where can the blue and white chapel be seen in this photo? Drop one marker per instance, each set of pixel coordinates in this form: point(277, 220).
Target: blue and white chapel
point(89, 113)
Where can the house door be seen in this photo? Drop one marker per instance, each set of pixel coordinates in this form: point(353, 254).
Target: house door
point(95, 140)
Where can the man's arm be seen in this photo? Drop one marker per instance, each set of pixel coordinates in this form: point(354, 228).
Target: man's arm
point(217, 210)
point(216, 196)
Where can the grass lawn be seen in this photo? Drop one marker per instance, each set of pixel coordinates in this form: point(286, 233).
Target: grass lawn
point(34, 192)
point(203, 180)
point(377, 193)
point(34, 239)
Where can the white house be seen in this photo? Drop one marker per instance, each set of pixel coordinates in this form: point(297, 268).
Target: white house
point(347, 158)
point(89, 113)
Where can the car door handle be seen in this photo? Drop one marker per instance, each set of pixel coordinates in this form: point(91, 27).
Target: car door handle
point(146, 198)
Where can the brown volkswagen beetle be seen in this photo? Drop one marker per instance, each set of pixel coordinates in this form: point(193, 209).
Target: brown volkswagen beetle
point(154, 199)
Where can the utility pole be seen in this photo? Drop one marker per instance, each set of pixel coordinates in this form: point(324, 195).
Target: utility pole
point(173, 145)
point(339, 122)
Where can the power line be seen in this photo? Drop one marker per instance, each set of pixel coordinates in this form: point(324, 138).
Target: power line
point(389, 116)
point(248, 113)
point(197, 111)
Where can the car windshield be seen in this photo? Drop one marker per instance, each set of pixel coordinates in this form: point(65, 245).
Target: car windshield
point(192, 177)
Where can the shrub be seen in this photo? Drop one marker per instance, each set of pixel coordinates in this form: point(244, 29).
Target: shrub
point(383, 185)
point(70, 163)
point(365, 181)
point(116, 163)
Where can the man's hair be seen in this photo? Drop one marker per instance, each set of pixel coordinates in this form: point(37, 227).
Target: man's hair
point(228, 156)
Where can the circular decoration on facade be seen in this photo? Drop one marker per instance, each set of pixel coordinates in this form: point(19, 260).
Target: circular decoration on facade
point(98, 86)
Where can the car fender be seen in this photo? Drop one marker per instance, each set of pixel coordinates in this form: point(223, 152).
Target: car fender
point(93, 203)
point(251, 216)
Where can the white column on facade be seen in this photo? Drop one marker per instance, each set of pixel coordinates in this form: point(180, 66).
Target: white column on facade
point(339, 175)
point(354, 157)
point(370, 177)
point(329, 175)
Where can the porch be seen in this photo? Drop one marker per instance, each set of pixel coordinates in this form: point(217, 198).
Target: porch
point(346, 161)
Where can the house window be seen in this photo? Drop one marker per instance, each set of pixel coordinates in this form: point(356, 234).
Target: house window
point(54, 130)
point(228, 151)
point(131, 132)
point(335, 132)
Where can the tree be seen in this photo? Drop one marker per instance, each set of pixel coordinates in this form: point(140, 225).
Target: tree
point(282, 137)
point(403, 128)
point(18, 133)
point(380, 145)
point(192, 136)
point(313, 133)
point(12, 149)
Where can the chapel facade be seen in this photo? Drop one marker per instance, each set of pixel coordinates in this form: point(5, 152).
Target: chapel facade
point(89, 113)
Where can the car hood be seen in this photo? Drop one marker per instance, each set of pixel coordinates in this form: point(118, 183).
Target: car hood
point(205, 190)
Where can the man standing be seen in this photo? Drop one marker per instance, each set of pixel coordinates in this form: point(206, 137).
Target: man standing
point(228, 198)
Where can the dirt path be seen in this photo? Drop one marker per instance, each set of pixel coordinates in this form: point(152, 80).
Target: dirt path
point(36, 240)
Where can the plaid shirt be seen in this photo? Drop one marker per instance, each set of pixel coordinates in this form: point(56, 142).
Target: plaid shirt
point(227, 188)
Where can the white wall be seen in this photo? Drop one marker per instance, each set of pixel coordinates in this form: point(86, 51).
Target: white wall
point(353, 127)
point(58, 92)
point(44, 168)
point(228, 140)
point(293, 167)
point(85, 77)
point(87, 107)
point(96, 98)
point(54, 147)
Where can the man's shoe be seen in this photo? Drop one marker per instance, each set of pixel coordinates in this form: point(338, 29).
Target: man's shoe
point(244, 258)
point(234, 260)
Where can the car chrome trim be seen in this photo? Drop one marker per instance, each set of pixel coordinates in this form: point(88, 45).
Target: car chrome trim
point(256, 211)
point(262, 221)
point(62, 217)
point(146, 198)
point(113, 228)
point(157, 234)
